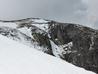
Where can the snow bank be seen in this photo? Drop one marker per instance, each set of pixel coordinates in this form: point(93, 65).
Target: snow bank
point(16, 58)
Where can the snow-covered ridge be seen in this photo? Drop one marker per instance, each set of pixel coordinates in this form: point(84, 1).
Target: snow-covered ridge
point(16, 58)
point(67, 41)
point(40, 23)
point(23, 29)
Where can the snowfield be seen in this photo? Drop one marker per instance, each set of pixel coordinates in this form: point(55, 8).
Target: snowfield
point(16, 58)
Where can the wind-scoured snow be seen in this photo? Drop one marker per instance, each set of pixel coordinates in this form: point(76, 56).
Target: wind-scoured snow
point(16, 58)
point(41, 23)
point(42, 26)
point(8, 24)
point(18, 36)
point(40, 20)
point(26, 31)
point(12, 30)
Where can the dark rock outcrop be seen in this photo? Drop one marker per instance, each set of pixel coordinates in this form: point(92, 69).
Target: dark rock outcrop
point(85, 44)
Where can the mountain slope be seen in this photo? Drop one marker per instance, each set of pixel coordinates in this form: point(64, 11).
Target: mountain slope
point(16, 58)
point(73, 43)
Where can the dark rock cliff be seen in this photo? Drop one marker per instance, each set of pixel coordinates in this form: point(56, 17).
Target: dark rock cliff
point(85, 44)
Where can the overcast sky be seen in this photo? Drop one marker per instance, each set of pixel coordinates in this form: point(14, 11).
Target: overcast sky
point(76, 11)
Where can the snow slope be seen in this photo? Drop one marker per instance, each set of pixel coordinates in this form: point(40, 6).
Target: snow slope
point(22, 34)
point(16, 58)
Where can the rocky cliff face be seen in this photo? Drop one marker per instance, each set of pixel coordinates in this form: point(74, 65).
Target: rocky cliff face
point(71, 42)
point(84, 52)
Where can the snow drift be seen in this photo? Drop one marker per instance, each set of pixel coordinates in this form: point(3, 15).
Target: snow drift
point(16, 58)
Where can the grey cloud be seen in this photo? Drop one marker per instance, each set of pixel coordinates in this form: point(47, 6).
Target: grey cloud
point(60, 10)
point(48, 8)
point(96, 24)
point(92, 12)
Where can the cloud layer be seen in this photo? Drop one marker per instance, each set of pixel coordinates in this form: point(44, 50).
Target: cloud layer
point(92, 12)
point(76, 11)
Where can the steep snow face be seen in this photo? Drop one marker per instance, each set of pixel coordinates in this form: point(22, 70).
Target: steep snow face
point(60, 50)
point(16, 58)
point(56, 50)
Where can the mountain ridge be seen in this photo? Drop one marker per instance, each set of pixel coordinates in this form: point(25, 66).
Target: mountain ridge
point(74, 43)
